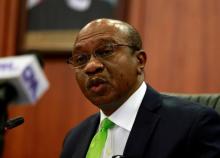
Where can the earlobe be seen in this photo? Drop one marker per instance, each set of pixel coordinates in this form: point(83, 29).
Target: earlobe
point(142, 59)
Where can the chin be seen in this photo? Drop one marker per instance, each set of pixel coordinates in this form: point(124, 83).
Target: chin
point(101, 100)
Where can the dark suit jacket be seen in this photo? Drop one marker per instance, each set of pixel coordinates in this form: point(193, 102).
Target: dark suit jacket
point(165, 127)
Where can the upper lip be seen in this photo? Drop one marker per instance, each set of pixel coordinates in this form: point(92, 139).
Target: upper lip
point(95, 81)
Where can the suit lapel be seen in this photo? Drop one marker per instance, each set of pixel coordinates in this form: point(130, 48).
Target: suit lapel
point(84, 142)
point(144, 125)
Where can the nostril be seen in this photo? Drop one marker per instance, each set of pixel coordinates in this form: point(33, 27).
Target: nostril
point(94, 71)
point(99, 69)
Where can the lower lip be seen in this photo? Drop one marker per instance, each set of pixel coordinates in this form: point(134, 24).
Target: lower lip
point(97, 89)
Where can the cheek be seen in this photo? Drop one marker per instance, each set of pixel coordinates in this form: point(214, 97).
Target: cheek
point(80, 80)
point(124, 78)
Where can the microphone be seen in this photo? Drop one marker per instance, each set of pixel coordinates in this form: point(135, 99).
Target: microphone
point(11, 123)
point(24, 77)
point(14, 122)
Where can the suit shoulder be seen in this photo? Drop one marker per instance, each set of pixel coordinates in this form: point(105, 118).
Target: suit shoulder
point(182, 108)
point(78, 136)
point(82, 126)
point(182, 104)
point(78, 131)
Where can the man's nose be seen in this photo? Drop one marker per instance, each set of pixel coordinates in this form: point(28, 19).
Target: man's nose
point(94, 66)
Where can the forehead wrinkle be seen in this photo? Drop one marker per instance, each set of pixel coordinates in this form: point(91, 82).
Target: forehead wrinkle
point(101, 38)
point(91, 35)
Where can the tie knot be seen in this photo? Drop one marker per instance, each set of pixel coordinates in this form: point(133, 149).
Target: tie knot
point(106, 124)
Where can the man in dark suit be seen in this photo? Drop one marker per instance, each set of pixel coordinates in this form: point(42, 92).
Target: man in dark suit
point(109, 62)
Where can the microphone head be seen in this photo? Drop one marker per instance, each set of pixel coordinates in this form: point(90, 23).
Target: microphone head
point(25, 74)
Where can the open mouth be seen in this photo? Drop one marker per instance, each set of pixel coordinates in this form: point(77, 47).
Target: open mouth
point(96, 84)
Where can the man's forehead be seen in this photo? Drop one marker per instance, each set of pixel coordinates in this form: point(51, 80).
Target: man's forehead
point(102, 28)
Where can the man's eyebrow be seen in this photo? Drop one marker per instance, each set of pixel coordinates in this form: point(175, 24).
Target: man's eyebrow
point(99, 41)
point(105, 39)
point(78, 48)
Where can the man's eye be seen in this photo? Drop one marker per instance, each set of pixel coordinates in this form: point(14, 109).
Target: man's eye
point(80, 59)
point(104, 52)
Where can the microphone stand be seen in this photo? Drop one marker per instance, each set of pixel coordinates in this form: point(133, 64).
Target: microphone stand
point(7, 94)
point(3, 118)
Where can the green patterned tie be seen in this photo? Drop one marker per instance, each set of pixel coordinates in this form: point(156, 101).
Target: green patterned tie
point(98, 141)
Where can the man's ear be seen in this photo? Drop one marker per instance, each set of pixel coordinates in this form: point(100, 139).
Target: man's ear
point(141, 59)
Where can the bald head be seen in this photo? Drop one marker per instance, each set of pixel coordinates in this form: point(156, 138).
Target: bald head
point(116, 28)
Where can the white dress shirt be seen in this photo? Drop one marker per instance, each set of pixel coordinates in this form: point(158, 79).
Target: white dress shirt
point(123, 119)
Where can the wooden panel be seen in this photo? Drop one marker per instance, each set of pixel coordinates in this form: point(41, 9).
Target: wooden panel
point(9, 26)
point(3, 17)
point(46, 123)
point(182, 42)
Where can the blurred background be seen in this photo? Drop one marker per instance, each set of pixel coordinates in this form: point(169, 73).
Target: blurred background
point(181, 38)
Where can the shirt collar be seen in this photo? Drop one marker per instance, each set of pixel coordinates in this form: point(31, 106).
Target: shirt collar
point(125, 115)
